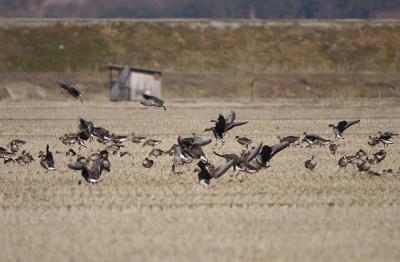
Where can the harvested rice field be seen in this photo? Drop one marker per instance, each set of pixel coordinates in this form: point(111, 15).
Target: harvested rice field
point(282, 213)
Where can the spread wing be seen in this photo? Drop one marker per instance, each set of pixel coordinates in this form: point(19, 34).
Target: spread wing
point(253, 153)
point(229, 126)
point(77, 166)
point(219, 171)
point(343, 125)
point(154, 98)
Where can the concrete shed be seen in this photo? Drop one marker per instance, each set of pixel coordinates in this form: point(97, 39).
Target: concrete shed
point(131, 83)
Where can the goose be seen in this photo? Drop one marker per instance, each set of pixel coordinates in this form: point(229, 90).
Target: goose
point(333, 148)
point(364, 165)
point(343, 162)
point(150, 100)
point(267, 152)
point(156, 152)
point(47, 160)
point(16, 144)
point(137, 139)
point(386, 137)
point(147, 163)
point(311, 163)
point(206, 172)
point(312, 139)
point(90, 173)
point(291, 139)
point(342, 126)
point(243, 141)
point(380, 155)
point(242, 162)
point(71, 89)
point(70, 152)
point(25, 158)
point(86, 126)
point(68, 139)
point(117, 139)
point(223, 125)
point(151, 142)
point(5, 154)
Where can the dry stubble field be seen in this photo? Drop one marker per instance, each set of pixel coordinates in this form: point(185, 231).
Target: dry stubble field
point(283, 213)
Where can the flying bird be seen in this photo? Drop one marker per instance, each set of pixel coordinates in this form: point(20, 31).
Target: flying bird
point(71, 89)
point(150, 100)
point(342, 126)
point(207, 172)
point(267, 152)
point(223, 125)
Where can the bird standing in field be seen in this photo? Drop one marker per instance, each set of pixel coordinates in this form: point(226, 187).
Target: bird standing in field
point(333, 148)
point(243, 141)
point(47, 160)
point(71, 89)
point(150, 100)
point(341, 126)
point(310, 164)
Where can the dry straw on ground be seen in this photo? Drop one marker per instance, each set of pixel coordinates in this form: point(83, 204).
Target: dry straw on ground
point(284, 213)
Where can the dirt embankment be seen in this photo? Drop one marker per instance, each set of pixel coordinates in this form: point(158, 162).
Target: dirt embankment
point(202, 58)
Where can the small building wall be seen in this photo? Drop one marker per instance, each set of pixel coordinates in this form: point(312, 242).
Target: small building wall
point(144, 83)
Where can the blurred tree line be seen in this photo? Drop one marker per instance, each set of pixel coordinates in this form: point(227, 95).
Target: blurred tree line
point(265, 9)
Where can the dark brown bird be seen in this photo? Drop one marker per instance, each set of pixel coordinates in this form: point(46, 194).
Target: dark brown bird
point(90, 174)
point(310, 164)
point(333, 148)
point(207, 173)
point(47, 160)
point(147, 163)
point(71, 89)
point(341, 126)
point(16, 144)
point(156, 152)
point(267, 152)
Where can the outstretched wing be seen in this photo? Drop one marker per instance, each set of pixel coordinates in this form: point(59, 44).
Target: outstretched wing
point(219, 171)
point(154, 98)
point(343, 125)
point(229, 126)
point(77, 166)
point(279, 147)
point(253, 153)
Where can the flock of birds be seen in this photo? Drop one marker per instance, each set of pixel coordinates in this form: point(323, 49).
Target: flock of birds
point(189, 150)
